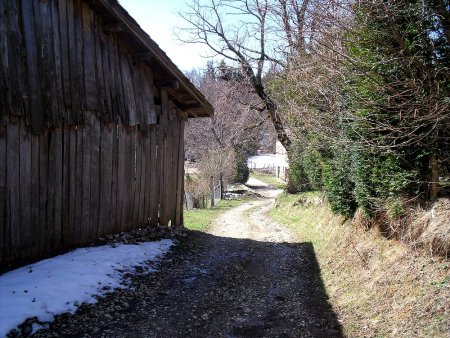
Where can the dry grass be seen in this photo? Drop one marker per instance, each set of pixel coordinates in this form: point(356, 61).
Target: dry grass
point(422, 228)
point(378, 287)
point(430, 229)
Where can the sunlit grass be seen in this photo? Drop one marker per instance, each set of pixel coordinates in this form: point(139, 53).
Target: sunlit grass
point(269, 179)
point(200, 219)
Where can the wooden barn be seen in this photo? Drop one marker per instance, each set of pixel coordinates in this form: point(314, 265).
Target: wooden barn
point(92, 115)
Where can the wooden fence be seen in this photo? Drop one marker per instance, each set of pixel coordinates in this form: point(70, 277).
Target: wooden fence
point(216, 186)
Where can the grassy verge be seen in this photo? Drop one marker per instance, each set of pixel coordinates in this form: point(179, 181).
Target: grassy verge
point(269, 179)
point(378, 287)
point(200, 219)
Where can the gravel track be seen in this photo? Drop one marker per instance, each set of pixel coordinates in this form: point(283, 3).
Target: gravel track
point(246, 277)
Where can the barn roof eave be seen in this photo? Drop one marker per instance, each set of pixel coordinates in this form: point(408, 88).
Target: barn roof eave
point(201, 107)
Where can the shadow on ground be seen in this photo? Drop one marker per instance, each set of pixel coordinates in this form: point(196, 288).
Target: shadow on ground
point(210, 286)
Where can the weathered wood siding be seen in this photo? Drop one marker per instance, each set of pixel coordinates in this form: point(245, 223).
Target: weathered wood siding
point(84, 149)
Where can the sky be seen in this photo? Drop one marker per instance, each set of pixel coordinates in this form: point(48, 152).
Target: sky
point(159, 18)
point(61, 284)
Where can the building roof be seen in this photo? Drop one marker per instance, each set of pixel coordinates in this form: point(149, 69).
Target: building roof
point(181, 90)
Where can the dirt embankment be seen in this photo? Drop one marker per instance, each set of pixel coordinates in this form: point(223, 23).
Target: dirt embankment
point(379, 287)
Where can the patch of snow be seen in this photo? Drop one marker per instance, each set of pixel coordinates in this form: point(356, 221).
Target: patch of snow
point(62, 283)
point(262, 161)
point(266, 161)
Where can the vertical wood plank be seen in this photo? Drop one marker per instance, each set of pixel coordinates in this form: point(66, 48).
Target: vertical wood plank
point(131, 176)
point(101, 87)
point(12, 189)
point(148, 96)
point(117, 85)
point(43, 192)
point(36, 114)
point(16, 59)
point(137, 184)
point(46, 60)
point(26, 239)
point(64, 22)
point(154, 172)
point(106, 177)
point(135, 179)
point(110, 76)
point(175, 144)
point(143, 180)
point(167, 179)
point(3, 196)
point(174, 131)
point(79, 185)
point(121, 149)
point(130, 117)
point(74, 186)
point(66, 182)
point(115, 180)
point(58, 80)
point(73, 72)
point(148, 180)
point(163, 152)
point(34, 199)
point(89, 60)
point(106, 43)
point(4, 65)
point(86, 233)
point(51, 154)
point(139, 95)
point(60, 104)
point(58, 188)
point(175, 135)
point(180, 175)
point(126, 179)
point(95, 175)
point(76, 61)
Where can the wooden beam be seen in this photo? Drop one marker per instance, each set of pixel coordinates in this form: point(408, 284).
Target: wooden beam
point(172, 84)
point(192, 114)
point(142, 56)
point(114, 28)
point(190, 108)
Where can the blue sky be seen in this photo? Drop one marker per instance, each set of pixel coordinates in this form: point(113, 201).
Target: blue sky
point(159, 19)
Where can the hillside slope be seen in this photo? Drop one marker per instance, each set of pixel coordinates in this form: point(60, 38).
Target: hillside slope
point(378, 287)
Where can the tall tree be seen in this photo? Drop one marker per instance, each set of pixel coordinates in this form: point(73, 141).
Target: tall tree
point(258, 35)
point(401, 103)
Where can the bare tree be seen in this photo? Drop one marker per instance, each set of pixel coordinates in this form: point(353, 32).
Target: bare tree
point(234, 123)
point(248, 32)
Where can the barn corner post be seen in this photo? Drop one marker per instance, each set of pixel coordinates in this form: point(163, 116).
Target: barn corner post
point(91, 141)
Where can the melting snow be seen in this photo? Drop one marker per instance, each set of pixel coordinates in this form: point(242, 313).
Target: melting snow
point(60, 284)
point(265, 161)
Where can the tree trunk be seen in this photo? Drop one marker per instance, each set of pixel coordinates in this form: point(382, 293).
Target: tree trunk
point(271, 109)
point(279, 128)
point(434, 164)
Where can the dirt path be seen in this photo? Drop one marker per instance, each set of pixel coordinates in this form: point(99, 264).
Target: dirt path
point(246, 277)
point(249, 221)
